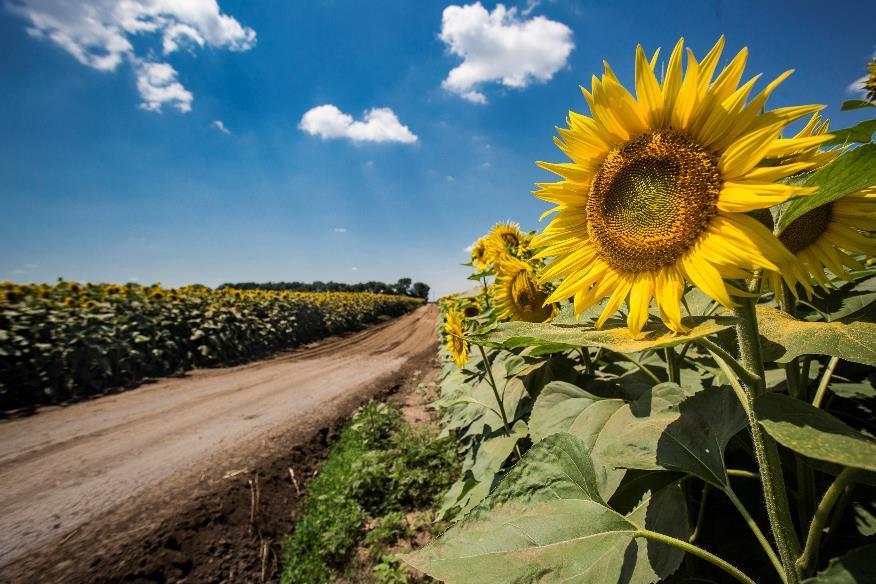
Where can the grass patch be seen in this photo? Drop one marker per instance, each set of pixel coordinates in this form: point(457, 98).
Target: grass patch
point(379, 470)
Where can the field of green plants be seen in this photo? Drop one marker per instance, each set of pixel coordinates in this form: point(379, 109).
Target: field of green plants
point(723, 432)
point(71, 340)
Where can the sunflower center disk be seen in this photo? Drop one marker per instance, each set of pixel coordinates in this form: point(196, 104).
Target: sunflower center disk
point(651, 199)
point(804, 230)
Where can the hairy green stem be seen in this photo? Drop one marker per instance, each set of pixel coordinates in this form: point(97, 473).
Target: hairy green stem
point(807, 560)
point(747, 376)
point(825, 381)
point(696, 551)
point(486, 291)
point(765, 449)
point(672, 370)
point(758, 534)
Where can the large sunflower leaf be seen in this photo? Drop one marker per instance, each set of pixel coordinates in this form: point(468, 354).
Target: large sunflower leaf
point(546, 522)
point(853, 104)
point(861, 133)
point(851, 172)
point(510, 335)
point(855, 567)
point(673, 429)
point(557, 407)
point(563, 407)
point(847, 300)
point(813, 432)
point(787, 337)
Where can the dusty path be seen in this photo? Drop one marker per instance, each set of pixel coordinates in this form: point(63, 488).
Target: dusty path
point(64, 468)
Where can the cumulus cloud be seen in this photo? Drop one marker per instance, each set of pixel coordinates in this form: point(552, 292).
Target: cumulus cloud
point(220, 125)
point(858, 86)
point(157, 85)
point(98, 33)
point(379, 124)
point(501, 46)
point(340, 229)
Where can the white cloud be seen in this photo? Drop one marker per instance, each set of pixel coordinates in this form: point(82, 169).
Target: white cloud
point(220, 125)
point(449, 178)
point(469, 249)
point(486, 165)
point(501, 46)
point(157, 85)
point(858, 86)
point(340, 229)
point(98, 33)
point(355, 269)
point(378, 125)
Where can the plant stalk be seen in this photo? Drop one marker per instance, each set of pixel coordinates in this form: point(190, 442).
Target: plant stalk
point(806, 561)
point(697, 551)
point(492, 382)
point(765, 449)
point(700, 514)
point(641, 367)
point(588, 364)
point(758, 534)
point(825, 381)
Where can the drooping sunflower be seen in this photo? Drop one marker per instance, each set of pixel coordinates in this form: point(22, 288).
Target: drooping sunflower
point(479, 255)
point(519, 295)
point(658, 187)
point(824, 238)
point(456, 343)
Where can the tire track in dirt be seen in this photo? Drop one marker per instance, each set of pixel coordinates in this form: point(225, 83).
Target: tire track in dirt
point(66, 466)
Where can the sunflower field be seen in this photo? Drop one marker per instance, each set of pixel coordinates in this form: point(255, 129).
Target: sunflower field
point(673, 380)
point(71, 340)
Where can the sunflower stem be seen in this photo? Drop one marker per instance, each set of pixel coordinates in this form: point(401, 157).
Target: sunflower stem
point(486, 291)
point(499, 402)
point(671, 364)
point(588, 364)
point(758, 534)
point(765, 449)
point(825, 381)
point(696, 551)
point(806, 562)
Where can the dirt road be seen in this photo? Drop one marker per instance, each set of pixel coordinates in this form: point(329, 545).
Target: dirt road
point(68, 469)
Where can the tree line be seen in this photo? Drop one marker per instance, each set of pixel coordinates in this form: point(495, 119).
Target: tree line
point(403, 287)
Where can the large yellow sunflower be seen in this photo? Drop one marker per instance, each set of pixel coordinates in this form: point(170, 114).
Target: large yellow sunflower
point(456, 343)
point(519, 295)
point(658, 188)
point(824, 238)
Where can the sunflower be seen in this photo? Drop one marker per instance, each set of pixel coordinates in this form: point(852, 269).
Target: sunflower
point(519, 295)
point(505, 240)
point(658, 188)
point(825, 237)
point(479, 255)
point(456, 343)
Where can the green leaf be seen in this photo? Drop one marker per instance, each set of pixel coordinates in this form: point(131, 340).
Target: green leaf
point(563, 407)
point(855, 567)
point(788, 337)
point(849, 173)
point(813, 432)
point(546, 523)
point(557, 407)
point(854, 104)
point(861, 133)
point(511, 335)
point(671, 429)
point(847, 300)
point(862, 390)
point(493, 452)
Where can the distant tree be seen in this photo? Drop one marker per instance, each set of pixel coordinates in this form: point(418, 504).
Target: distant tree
point(403, 287)
point(420, 290)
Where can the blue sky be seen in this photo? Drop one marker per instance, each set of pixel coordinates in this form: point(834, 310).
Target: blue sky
point(105, 178)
